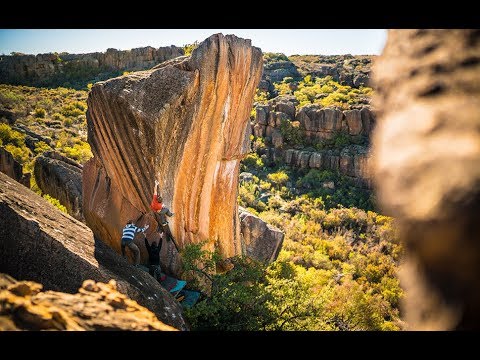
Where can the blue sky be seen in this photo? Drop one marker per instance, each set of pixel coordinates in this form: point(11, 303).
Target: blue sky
point(287, 41)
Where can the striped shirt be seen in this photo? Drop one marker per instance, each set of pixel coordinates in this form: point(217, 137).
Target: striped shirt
point(129, 232)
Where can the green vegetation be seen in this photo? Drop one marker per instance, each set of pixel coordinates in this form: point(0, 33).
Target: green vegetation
point(291, 132)
point(188, 48)
point(324, 91)
point(55, 203)
point(57, 115)
point(336, 272)
point(274, 57)
point(14, 142)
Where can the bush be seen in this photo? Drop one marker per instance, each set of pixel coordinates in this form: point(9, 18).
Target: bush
point(55, 203)
point(10, 136)
point(80, 152)
point(279, 178)
point(41, 147)
point(190, 47)
point(39, 113)
point(291, 132)
point(252, 162)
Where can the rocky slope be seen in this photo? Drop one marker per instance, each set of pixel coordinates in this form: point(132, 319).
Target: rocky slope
point(44, 68)
point(183, 122)
point(96, 306)
point(40, 243)
point(346, 69)
point(427, 169)
point(61, 178)
point(12, 168)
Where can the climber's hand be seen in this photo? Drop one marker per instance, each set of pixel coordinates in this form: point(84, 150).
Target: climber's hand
point(156, 182)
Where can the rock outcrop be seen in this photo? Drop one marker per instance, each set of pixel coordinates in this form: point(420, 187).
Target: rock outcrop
point(262, 241)
point(347, 69)
point(33, 69)
point(184, 122)
point(317, 125)
point(12, 168)
point(96, 306)
point(42, 244)
point(61, 178)
point(351, 161)
point(427, 169)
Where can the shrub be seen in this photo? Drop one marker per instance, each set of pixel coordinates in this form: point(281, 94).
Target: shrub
point(291, 132)
point(55, 203)
point(190, 47)
point(279, 178)
point(39, 113)
point(80, 152)
point(252, 162)
point(10, 136)
point(41, 147)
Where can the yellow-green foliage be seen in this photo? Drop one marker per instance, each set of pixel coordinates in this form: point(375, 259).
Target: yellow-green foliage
point(14, 142)
point(279, 178)
point(189, 48)
point(10, 136)
point(80, 152)
point(261, 97)
point(39, 113)
point(41, 147)
point(343, 279)
point(252, 160)
point(55, 202)
point(325, 92)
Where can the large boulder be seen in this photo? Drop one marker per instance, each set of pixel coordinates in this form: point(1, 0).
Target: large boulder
point(96, 306)
point(11, 167)
point(262, 241)
point(426, 161)
point(61, 178)
point(184, 122)
point(40, 243)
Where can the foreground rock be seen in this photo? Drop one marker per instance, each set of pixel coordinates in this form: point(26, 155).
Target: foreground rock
point(427, 169)
point(12, 168)
point(40, 243)
point(183, 122)
point(96, 306)
point(262, 241)
point(61, 178)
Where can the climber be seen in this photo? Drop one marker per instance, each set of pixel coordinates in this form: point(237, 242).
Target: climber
point(160, 210)
point(154, 256)
point(128, 234)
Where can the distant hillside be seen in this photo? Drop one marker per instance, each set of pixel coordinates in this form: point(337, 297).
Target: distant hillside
point(77, 70)
point(345, 69)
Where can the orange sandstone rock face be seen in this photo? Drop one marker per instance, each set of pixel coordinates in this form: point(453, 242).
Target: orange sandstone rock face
point(183, 122)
